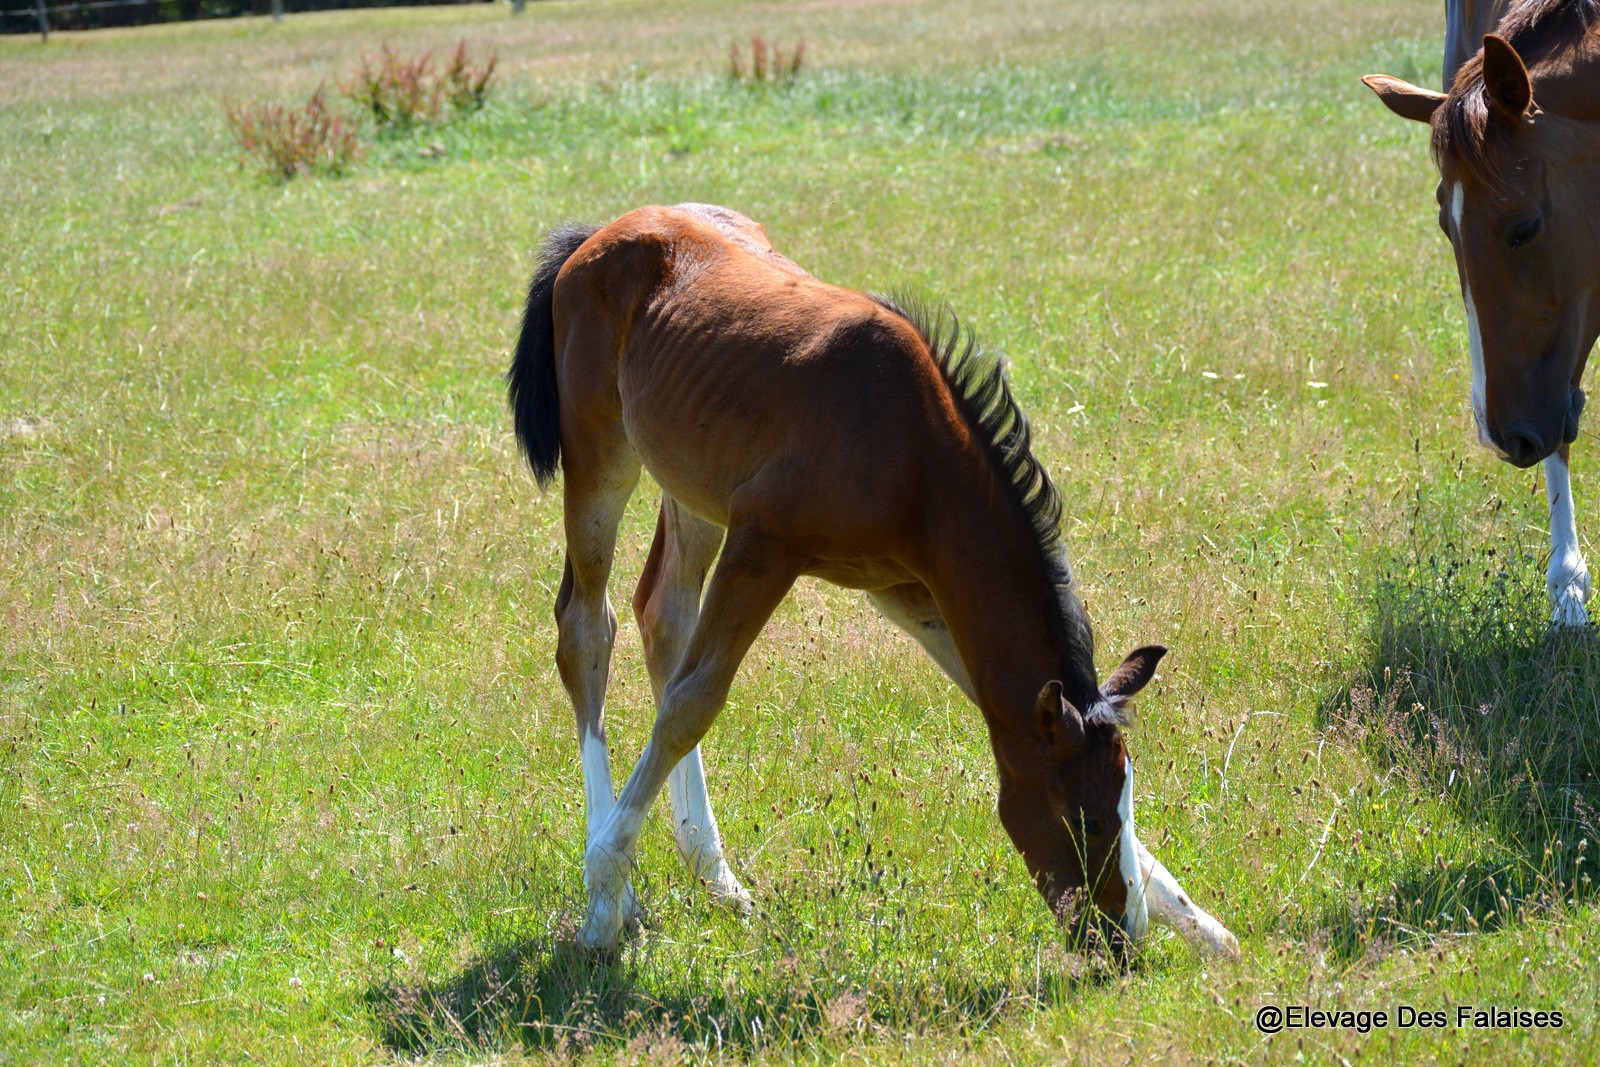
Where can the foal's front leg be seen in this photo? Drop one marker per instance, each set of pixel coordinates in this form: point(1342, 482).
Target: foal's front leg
point(667, 603)
point(1567, 581)
point(750, 580)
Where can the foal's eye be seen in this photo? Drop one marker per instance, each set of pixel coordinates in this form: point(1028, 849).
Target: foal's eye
point(1091, 826)
point(1523, 232)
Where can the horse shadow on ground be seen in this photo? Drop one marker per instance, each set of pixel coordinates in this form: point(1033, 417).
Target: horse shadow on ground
point(1471, 695)
point(545, 994)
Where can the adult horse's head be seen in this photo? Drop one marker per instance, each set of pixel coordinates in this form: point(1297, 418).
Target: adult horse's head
point(1071, 813)
point(1519, 196)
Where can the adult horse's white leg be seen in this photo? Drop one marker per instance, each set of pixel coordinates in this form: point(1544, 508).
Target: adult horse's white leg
point(751, 578)
point(667, 605)
point(1567, 581)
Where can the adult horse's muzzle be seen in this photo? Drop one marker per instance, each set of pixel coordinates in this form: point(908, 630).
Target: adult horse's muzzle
point(1569, 430)
point(1525, 442)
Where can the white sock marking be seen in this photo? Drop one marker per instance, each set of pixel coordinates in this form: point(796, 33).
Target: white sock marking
point(1135, 916)
point(596, 782)
point(606, 864)
point(695, 828)
point(1171, 907)
point(1567, 581)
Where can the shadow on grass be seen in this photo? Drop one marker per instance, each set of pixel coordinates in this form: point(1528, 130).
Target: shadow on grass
point(1472, 696)
point(660, 1001)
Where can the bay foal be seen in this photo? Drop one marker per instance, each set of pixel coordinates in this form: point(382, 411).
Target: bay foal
point(807, 429)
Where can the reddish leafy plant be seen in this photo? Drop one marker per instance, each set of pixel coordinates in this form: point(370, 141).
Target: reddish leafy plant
point(769, 63)
point(289, 141)
point(400, 92)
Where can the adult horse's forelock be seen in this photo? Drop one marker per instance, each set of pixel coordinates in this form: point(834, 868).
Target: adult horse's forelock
point(1467, 127)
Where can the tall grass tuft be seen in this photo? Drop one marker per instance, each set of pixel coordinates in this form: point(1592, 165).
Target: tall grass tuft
point(1474, 698)
point(289, 141)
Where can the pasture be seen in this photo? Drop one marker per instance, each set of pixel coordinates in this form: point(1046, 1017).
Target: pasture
point(286, 771)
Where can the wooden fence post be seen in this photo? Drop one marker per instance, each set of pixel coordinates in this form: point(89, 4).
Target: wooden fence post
point(277, 10)
point(44, 21)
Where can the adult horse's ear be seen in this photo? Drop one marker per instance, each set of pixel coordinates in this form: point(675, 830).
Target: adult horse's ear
point(1404, 99)
point(1505, 79)
point(1060, 724)
point(1133, 674)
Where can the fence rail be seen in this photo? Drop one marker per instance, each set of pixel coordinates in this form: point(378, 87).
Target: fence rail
point(41, 17)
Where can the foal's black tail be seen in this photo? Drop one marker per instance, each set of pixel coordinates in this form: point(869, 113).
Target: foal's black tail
point(531, 381)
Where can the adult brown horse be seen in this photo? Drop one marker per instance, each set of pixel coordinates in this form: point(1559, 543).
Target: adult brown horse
point(831, 434)
point(1465, 24)
point(1517, 143)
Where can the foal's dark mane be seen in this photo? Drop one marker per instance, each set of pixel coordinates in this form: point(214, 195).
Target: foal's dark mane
point(982, 394)
point(1462, 131)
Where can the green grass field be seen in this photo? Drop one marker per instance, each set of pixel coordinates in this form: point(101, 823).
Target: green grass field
point(286, 772)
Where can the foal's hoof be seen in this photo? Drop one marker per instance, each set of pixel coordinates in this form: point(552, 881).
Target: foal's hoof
point(632, 911)
point(728, 893)
point(607, 925)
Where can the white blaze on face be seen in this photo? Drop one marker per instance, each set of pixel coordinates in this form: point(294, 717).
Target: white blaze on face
point(1474, 338)
point(1135, 916)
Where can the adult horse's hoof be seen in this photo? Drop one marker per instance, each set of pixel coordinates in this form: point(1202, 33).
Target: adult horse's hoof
point(1570, 612)
point(1568, 592)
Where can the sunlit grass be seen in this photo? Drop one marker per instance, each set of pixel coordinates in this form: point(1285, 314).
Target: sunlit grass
point(285, 767)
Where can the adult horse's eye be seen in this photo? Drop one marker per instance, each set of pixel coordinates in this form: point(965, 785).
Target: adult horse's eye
point(1523, 232)
point(1091, 827)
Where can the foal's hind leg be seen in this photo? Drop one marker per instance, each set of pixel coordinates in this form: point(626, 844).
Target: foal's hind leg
point(667, 604)
point(599, 476)
point(751, 578)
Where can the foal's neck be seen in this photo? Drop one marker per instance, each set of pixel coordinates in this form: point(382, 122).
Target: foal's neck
point(1015, 629)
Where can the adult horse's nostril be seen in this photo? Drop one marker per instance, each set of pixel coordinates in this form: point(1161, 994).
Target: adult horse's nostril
point(1569, 428)
point(1523, 447)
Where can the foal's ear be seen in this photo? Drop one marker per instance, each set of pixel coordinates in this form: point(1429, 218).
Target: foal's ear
point(1404, 99)
point(1505, 79)
point(1060, 725)
point(1133, 674)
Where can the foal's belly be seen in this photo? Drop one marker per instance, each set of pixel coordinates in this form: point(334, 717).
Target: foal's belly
point(698, 468)
point(867, 573)
point(703, 474)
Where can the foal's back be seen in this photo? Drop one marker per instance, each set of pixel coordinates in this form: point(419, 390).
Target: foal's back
point(737, 377)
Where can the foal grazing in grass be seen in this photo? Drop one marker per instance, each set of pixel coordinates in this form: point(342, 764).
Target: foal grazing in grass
point(811, 430)
point(1517, 142)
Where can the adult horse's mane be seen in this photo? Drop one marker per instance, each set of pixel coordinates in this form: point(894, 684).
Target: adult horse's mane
point(982, 394)
point(1537, 28)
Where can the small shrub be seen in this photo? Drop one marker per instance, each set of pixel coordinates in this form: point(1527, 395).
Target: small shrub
point(400, 93)
point(768, 62)
point(467, 84)
point(293, 140)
